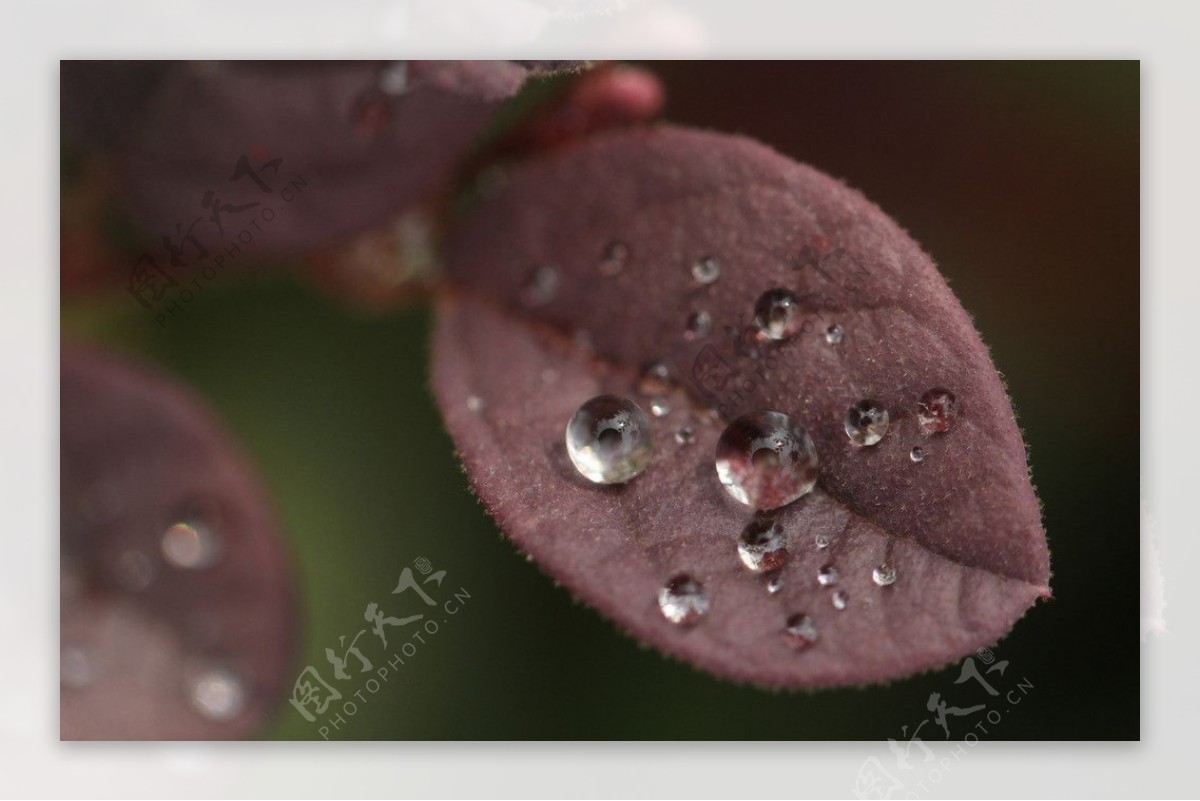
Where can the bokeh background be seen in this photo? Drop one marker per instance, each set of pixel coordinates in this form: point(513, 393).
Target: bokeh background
point(1022, 181)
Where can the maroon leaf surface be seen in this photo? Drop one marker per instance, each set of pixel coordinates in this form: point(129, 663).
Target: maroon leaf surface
point(177, 618)
point(367, 139)
point(578, 271)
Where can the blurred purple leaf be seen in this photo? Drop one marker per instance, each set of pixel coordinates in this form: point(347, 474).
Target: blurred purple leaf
point(564, 281)
point(177, 616)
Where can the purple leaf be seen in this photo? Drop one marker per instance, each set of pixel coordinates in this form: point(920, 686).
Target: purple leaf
point(367, 139)
point(177, 611)
point(582, 269)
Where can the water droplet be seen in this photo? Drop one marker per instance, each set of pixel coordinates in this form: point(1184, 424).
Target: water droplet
point(937, 411)
point(822, 541)
point(218, 695)
point(134, 571)
point(762, 546)
point(685, 435)
point(699, 325)
point(883, 575)
point(660, 408)
point(475, 404)
point(541, 287)
point(765, 460)
point(706, 270)
point(75, 670)
point(614, 259)
point(190, 545)
point(866, 422)
point(683, 600)
point(917, 454)
point(801, 629)
point(656, 379)
point(609, 440)
point(834, 334)
point(839, 600)
point(393, 79)
point(827, 576)
point(775, 583)
point(777, 314)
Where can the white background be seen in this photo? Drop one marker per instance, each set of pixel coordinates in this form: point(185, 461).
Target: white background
point(33, 36)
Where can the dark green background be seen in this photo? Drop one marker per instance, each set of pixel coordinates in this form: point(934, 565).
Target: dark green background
point(1021, 179)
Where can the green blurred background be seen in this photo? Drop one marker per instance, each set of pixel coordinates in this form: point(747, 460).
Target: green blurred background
point(1020, 178)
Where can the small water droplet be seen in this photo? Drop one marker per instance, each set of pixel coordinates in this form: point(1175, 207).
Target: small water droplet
point(656, 379)
point(614, 259)
point(762, 546)
point(475, 404)
point(609, 439)
point(827, 576)
point(937, 411)
point(839, 600)
point(834, 334)
point(218, 694)
point(775, 583)
point(706, 270)
point(190, 545)
point(683, 600)
point(393, 79)
point(541, 287)
point(134, 570)
point(699, 325)
point(75, 670)
point(660, 408)
point(884, 575)
point(917, 454)
point(685, 435)
point(765, 460)
point(822, 541)
point(866, 422)
point(801, 630)
point(777, 314)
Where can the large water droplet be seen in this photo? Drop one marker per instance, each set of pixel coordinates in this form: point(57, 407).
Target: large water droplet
point(839, 600)
point(917, 454)
point(218, 694)
point(801, 630)
point(706, 270)
point(614, 259)
point(884, 575)
point(699, 325)
point(936, 411)
point(609, 440)
point(765, 460)
point(762, 546)
point(866, 422)
point(777, 314)
point(656, 379)
point(834, 334)
point(827, 576)
point(190, 545)
point(541, 287)
point(683, 600)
